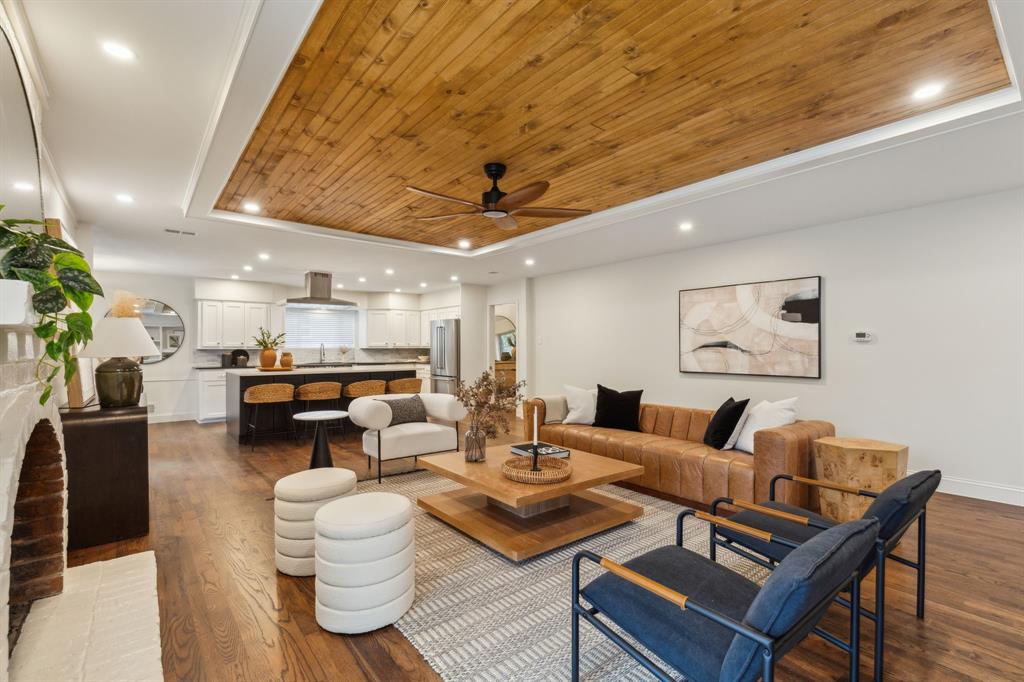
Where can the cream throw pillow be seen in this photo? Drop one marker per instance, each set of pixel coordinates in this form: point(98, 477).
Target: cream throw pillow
point(582, 405)
point(765, 415)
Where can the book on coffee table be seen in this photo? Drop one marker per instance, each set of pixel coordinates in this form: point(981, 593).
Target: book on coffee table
point(546, 449)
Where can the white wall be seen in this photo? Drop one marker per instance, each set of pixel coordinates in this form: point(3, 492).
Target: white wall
point(940, 286)
point(473, 331)
point(446, 298)
point(169, 386)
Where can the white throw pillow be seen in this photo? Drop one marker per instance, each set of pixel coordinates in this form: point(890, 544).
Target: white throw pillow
point(582, 405)
point(765, 415)
point(735, 435)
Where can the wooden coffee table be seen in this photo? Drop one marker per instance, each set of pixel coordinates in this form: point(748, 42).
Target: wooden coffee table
point(521, 520)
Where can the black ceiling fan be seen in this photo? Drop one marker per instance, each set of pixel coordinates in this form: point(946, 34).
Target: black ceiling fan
point(502, 207)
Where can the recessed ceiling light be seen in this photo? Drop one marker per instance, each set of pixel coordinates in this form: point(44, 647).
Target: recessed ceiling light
point(247, 268)
point(529, 261)
point(464, 244)
point(339, 286)
point(454, 278)
point(24, 186)
point(251, 207)
point(124, 198)
point(362, 279)
point(389, 271)
point(423, 284)
point(397, 290)
point(685, 226)
point(264, 256)
point(929, 90)
point(234, 276)
point(118, 51)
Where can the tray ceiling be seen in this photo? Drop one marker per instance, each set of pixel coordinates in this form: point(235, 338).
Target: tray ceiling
point(609, 101)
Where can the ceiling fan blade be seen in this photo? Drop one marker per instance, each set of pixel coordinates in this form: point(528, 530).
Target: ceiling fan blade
point(446, 215)
point(523, 195)
point(538, 212)
point(443, 197)
point(506, 223)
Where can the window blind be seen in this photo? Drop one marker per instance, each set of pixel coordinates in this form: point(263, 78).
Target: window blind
point(309, 327)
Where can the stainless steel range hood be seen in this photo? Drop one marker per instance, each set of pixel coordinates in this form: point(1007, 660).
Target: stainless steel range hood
point(318, 293)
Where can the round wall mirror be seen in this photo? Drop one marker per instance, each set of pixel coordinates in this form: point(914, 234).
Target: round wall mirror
point(19, 156)
point(165, 327)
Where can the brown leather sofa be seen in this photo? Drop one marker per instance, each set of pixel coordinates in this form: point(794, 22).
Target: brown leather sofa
point(670, 447)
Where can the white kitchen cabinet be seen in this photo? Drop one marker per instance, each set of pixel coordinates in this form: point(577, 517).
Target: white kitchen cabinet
point(412, 328)
point(232, 323)
point(390, 329)
point(212, 401)
point(256, 315)
point(209, 324)
point(377, 329)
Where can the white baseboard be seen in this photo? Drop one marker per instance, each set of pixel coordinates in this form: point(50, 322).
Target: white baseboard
point(171, 417)
point(982, 490)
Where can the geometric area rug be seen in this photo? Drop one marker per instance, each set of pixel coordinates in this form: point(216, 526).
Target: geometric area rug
point(480, 616)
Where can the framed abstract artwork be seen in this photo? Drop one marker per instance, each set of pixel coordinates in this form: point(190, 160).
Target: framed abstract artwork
point(758, 329)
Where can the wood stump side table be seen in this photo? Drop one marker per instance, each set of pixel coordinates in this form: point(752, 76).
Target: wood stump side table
point(858, 462)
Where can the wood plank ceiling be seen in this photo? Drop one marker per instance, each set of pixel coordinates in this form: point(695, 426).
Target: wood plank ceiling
point(609, 100)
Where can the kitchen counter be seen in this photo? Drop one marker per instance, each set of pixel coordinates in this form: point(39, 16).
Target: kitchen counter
point(354, 369)
point(279, 421)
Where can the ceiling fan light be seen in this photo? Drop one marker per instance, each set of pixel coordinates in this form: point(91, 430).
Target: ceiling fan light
point(493, 213)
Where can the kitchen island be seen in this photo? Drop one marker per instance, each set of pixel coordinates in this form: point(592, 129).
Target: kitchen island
point(279, 421)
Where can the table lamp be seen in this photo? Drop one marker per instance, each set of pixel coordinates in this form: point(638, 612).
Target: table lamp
point(119, 379)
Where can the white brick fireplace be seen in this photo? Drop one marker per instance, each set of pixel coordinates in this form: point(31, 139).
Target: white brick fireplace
point(26, 427)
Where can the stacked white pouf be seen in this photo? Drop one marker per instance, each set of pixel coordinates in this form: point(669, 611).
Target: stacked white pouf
point(297, 498)
point(365, 562)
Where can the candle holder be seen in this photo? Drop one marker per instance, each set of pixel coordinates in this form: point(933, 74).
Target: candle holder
point(536, 466)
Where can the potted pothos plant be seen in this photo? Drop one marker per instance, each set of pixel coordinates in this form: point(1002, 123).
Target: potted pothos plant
point(59, 276)
point(269, 345)
point(490, 403)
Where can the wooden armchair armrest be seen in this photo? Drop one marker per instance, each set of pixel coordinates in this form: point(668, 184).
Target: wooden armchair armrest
point(819, 484)
point(646, 583)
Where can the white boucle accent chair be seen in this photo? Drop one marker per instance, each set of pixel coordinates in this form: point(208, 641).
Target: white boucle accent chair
point(381, 441)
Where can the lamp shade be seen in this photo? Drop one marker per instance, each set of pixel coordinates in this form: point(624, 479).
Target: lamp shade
point(119, 337)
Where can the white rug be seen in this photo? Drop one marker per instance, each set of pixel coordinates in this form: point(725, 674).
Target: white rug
point(479, 616)
point(104, 626)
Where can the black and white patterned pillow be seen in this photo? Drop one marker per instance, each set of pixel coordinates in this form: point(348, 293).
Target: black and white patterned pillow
point(405, 410)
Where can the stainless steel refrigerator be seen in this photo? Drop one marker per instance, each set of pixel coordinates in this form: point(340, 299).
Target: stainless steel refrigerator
point(444, 356)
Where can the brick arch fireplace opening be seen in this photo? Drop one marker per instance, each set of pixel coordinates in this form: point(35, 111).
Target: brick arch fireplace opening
point(38, 534)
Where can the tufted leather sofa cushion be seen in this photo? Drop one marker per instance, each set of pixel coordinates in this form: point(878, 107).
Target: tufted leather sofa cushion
point(676, 461)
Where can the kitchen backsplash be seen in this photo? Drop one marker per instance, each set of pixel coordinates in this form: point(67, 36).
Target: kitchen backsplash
point(303, 355)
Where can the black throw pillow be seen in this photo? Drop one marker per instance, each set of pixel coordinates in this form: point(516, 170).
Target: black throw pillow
point(724, 422)
point(618, 410)
point(406, 410)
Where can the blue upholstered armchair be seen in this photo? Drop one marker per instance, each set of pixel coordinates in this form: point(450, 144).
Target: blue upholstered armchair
point(896, 508)
point(712, 624)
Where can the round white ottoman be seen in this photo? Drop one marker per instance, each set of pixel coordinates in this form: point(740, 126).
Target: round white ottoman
point(297, 498)
point(365, 562)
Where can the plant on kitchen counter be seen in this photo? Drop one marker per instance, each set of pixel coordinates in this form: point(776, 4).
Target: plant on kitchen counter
point(490, 403)
point(269, 344)
point(58, 274)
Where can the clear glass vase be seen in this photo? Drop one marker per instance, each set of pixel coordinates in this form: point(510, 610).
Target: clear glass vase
point(476, 445)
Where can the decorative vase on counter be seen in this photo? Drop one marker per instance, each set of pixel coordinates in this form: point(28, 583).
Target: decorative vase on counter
point(476, 445)
point(268, 358)
point(286, 360)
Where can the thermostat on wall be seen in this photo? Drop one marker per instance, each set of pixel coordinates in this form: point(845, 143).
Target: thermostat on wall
point(863, 337)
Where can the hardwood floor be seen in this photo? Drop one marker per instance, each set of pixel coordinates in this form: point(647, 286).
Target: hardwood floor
point(227, 615)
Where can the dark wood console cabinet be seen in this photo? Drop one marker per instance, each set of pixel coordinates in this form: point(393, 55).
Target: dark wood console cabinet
point(107, 454)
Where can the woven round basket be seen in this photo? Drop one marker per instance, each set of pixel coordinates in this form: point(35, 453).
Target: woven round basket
point(552, 469)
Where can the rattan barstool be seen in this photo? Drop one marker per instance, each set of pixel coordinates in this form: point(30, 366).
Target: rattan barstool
point(407, 385)
point(319, 391)
point(358, 389)
point(267, 394)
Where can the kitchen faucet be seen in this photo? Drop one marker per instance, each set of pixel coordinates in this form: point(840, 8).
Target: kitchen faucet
point(322, 359)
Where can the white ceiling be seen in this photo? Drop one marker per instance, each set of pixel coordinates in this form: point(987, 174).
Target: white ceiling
point(140, 128)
